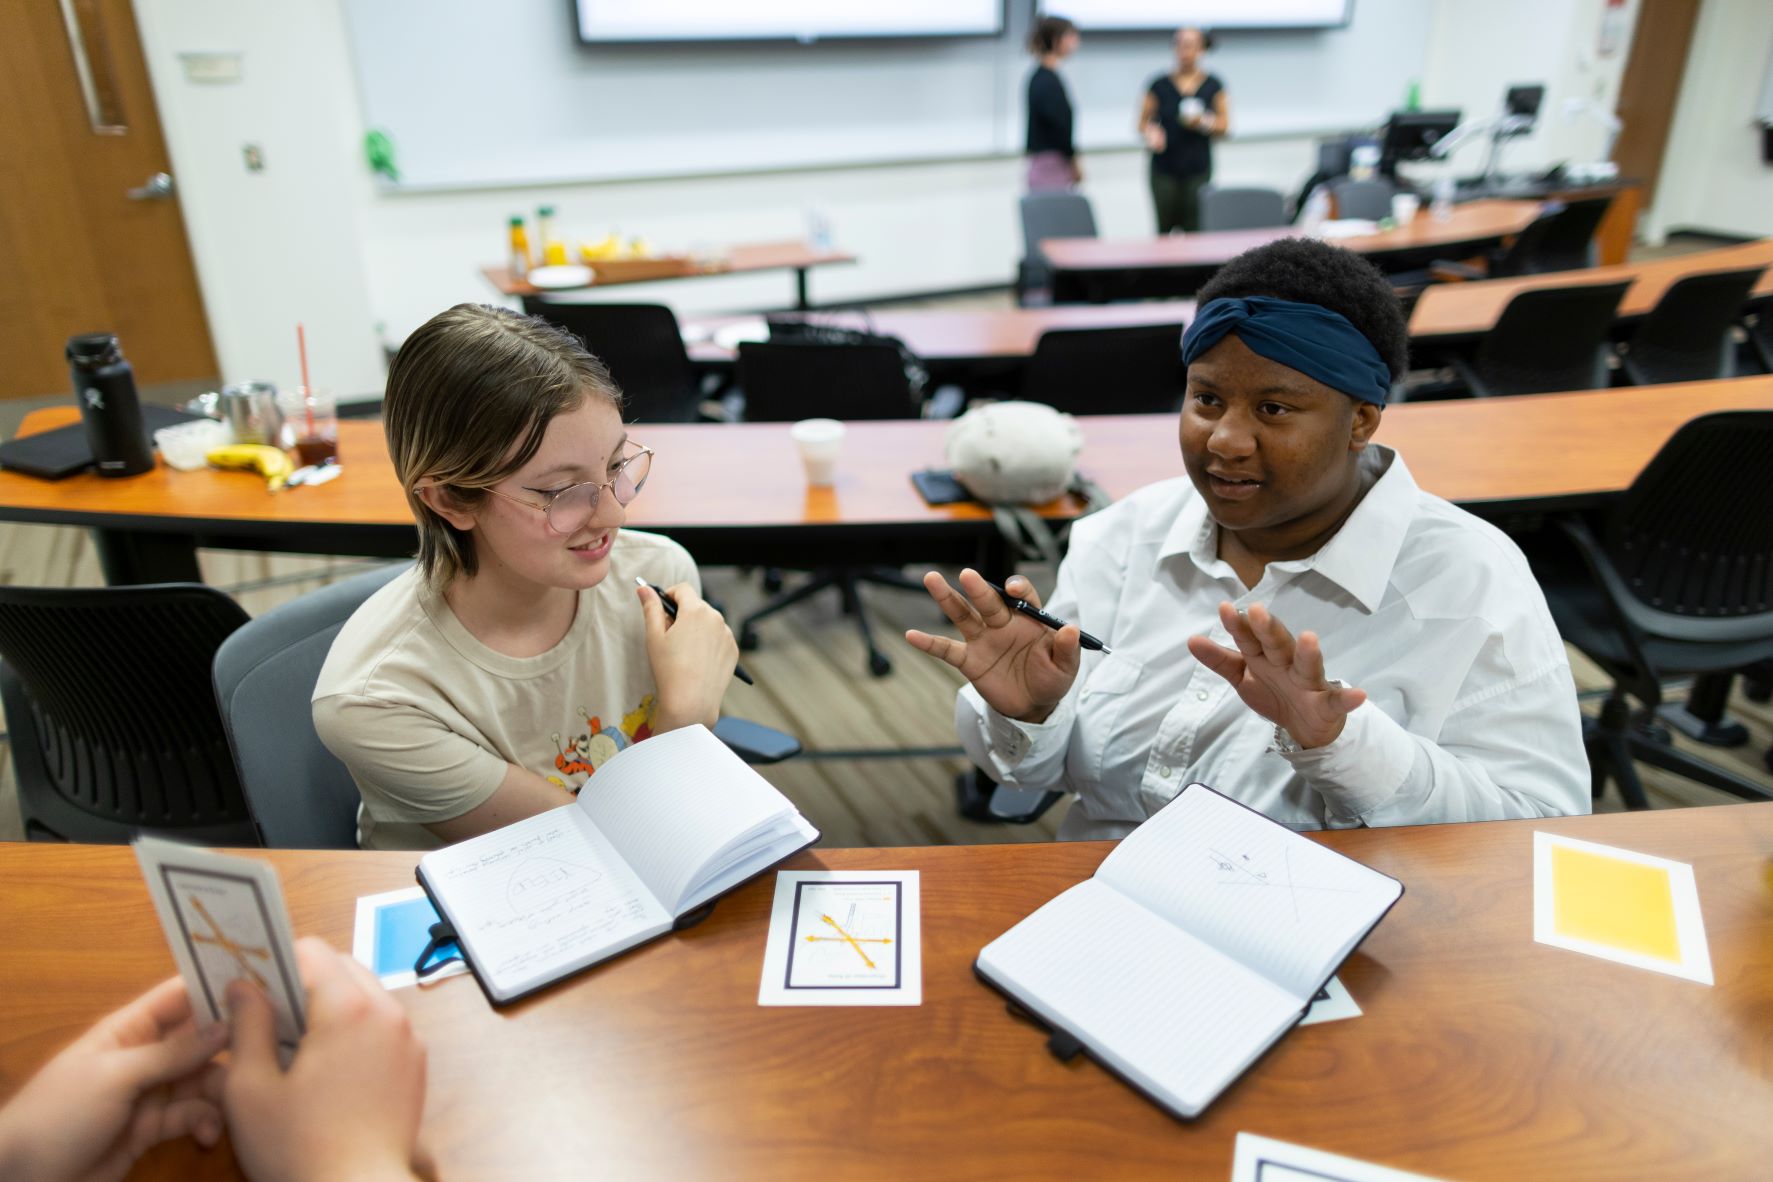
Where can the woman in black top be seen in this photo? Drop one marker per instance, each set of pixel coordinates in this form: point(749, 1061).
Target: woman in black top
point(1182, 113)
point(1052, 159)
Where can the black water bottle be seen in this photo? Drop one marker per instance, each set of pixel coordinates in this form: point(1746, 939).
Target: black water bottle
point(104, 385)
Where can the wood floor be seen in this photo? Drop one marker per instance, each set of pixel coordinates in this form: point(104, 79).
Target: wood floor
point(880, 759)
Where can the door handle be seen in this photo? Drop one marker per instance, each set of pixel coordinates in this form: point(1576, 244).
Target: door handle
point(158, 188)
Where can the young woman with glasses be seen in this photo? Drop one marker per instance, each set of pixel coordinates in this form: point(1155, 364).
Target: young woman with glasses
point(518, 655)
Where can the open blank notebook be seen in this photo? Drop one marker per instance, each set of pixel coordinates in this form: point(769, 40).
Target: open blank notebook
point(1198, 942)
point(663, 828)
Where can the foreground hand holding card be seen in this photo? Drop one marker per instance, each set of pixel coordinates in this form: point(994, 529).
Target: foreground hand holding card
point(666, 826)
point(1198, 942)
point(224, 917)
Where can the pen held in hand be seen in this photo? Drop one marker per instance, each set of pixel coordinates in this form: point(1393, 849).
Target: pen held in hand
point(1085, 640)
point(670, 606)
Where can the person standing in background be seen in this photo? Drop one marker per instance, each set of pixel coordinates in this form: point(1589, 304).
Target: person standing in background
point(1052, 158)
point(1182, 113)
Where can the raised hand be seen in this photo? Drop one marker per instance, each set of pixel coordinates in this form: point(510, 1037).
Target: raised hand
point(1278, 677)
point(1020, 667)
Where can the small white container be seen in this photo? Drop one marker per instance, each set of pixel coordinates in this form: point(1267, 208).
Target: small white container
point(186, 445)
point(819, 441)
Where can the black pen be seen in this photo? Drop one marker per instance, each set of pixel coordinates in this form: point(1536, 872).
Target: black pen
point(1053, 622)
point(670, 606)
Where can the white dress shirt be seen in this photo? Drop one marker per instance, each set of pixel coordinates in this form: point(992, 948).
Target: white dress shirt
point(1470, 713)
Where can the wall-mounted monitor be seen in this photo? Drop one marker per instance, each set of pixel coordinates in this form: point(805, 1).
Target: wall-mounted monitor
point(1129, 15)
point(602, 21)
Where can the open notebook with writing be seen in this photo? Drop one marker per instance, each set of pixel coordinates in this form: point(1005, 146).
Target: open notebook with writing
point(666, 826)
point(1197, 943)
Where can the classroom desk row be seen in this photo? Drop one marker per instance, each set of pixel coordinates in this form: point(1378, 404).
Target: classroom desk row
point(1098, 269)
point(1445, 314)
point(734, 493)
point(1479, 1053)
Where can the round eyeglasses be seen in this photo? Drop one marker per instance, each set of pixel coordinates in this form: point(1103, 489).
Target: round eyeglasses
point(570, 508)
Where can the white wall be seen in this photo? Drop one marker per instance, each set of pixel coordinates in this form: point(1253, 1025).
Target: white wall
point(284, 245)
point(1712, 174)
point(1477, 50)
point(313, 238)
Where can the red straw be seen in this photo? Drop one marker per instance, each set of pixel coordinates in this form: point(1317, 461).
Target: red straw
point(307, 388)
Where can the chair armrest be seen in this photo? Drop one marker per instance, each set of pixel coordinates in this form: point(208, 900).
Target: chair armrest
point(1021, 806)
point(1468, 377)
point(755, 743)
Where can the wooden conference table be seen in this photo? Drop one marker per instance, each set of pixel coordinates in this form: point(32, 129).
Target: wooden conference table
point(733, 494)
point(1098, 269)
point(1447, 312)
point(737, 260)
point(1480, 1054)
point(958, 337)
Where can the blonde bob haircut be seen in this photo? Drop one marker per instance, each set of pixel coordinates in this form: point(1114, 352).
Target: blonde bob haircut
point(470, 395)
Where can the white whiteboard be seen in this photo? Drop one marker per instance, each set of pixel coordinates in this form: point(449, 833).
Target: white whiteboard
point(1211, 14)
point(475, 94)
point(803, 20)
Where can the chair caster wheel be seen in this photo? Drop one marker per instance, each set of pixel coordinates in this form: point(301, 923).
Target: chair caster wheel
point(747, 640)
point(879, 665)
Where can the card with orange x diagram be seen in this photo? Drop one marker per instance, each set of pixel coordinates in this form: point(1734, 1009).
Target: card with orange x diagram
point(224, 917)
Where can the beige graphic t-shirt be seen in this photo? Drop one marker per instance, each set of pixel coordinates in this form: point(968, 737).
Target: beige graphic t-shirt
point(426, 717)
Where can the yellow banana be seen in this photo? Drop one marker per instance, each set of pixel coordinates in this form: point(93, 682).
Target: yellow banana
point(270, 462)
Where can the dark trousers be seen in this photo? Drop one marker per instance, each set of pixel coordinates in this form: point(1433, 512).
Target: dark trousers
point(1177, 200)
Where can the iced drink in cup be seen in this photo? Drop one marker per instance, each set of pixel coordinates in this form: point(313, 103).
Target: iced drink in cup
point(311, 425)
point(818, 441)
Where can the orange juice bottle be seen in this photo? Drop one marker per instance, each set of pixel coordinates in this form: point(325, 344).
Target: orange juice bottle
point(520, 260)
point(553, 249)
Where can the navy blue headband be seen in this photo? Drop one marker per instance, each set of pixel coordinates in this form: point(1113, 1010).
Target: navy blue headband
point(1317, 342)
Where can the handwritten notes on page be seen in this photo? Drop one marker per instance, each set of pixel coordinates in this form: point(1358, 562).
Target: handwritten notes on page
point(552, 894)
point(1620, 905)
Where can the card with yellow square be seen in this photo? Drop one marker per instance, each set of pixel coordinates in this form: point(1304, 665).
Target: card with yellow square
point(1621, 905)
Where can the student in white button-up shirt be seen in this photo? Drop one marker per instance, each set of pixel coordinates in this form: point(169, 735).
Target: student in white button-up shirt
point(1293, 543)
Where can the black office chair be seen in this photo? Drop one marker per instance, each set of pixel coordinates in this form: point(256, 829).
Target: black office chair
point(1561, 238)
point(1689, 335)
point(1241, 208)
point(300, 795)
point(1048, 215)
point(114, 731)
point(1363, 199)
point(644, 350)
point(1757, 322)
point(1107, 371)
point(1553, 338)
point(1676, 578)
point(788, 382)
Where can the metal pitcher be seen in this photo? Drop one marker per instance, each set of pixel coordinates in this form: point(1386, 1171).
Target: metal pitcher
point(250, 410)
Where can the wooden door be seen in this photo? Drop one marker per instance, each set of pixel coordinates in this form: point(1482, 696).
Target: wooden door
point(78, 131)
point(1651, 87)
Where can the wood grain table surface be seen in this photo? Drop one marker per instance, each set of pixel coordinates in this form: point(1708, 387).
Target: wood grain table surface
point(1535, 450)
point(1480, 1054)
point(1475, 221)
point(741, 259)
